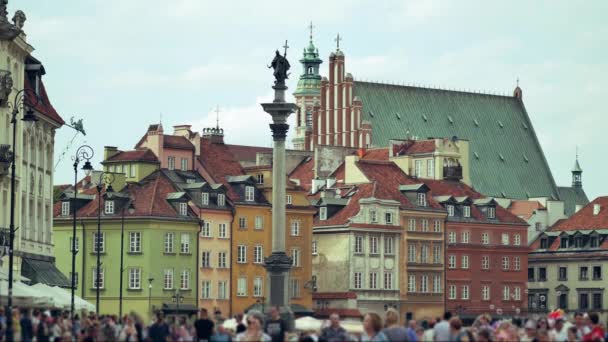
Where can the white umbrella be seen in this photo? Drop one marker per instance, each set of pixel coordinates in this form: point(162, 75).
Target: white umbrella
point(230, 324)
point(308, 324)
point(353, 327)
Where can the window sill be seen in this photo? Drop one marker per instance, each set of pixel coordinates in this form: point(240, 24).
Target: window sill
point(169, 290)
point(185, 290)
point(597, 278)
point(185, 253)
point(134, 290)
point(169, 253)
point(135, 253)
point(95, 253)
point(95, 289)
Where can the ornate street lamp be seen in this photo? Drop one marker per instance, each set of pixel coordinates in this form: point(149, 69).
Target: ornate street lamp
point(29, 118)
point(83, 153)
point(177, 298)
point(131, 209)
point(106, 178)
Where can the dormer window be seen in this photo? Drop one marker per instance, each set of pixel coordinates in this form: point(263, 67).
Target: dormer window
point(171, 163)
point(183, 208)
point(260, 178)
point(205, 198)
point(466, 211)
point(289, 199)
point(388, 218)
point(373, 216)
point(109, 208)
point(249, 193)
point(544, 243)
point(563, 242)
point(421, 199)
point(190, 180)
point(323, 213)
point(450, 208)
point(491, 212)
point(65, 208)
point(221, 200)
point(593, 243)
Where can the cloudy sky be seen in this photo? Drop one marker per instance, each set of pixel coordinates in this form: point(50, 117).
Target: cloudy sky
point(122, 64)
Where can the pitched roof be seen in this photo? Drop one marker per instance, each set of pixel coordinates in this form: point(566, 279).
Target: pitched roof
point(304, 173)
point(525, 209)
point(376, 154)
point(414, 147)
point(572, 196)
point(247, 154)
point(219, 161)
point(351, 209)
point(43, 104)
point(134, 155)
point(177, 142)
point(505, 153)
point(584, 218)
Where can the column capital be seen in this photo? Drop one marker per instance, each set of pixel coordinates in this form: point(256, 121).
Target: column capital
point(279, 131)
point(277, 262)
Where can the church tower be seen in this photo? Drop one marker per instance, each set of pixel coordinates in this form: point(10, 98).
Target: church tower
point(307, 94)
point(577, 175)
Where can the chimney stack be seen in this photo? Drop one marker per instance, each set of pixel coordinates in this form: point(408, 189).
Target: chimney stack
point(596, 209)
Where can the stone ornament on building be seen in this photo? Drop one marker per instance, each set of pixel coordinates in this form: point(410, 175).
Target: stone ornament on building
point(6, 86)
point(277, 262)
point(19, 19)
point(8, 31)
point(280, 64)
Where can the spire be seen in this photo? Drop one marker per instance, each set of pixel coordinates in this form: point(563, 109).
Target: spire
point(577, 173)
point(217, 116)
point(517, 93)
point(310, 27)
point(310, 80)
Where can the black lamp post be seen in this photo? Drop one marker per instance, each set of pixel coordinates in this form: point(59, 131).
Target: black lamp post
point(131, 209)
point(84, 152)
point(177, 298)
point(29, 118)
point(97, 241)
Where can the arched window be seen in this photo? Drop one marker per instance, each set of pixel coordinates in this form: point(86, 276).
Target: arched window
point(310, 70)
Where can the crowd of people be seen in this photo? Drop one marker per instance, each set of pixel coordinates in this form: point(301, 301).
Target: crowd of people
point(37, 325)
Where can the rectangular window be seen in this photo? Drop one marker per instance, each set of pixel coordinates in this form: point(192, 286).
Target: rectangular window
point(411, 225)
point(424, 284)
point(373, 245)
point(597, 272)
point(388, 217)
point(373, 280)
point(388, 245)
point(464, 294)
point(437, 226)
point(424, 253)
point(98, 280)
point(563, 273)
point(221, 260)
point(373, 216)
point(530, 274)
point(418, 168)
point(168, 279)
point(206, 229)
point(260, 178)
point(583, 301)
point(314, 247)
point(597, 301)
point(242, 223)
point(257, 287)
point(185, 244)
point(583, 273)
point(65, 208)
point(294, 288)
point(184, 164)
point(259, 222)
point(388, 281)
point(464, 262)
point(485, 262)
point(185, 280)
point(452, 261)
point(436, 284)
point(505, 263)
point(517, 240)
point(425, 225)
point(430, 168)
point(516, 263)
point(132, 170)
point(411, 283)
point(134, 278)
point(437, 254)
point(222, 232)
point(169, 241)
point(241, 254)
point(258, 255)
point(295, 257)
point(241, 287)
point(221, 200)
point(206, 290)
point(485, 292)
point(505, 239)
point(221, 290)
point(465, 237)
point(289, 200)
point(109, 207)
point(358, 244)
point(295, 227)
point(421, 199)
point(411, 253)
point(466, 211)
point(99, 243)
point(205, 259)
point(183, 208)
point(506, 293)
point(134, 242)
point(171, 162)
point(491, 212)
point(452, 292)
point(249, 193)
point(323, 213)
point(517, 293)
point(450, 208)
point(358, 280)
point(452, 237)
point(205, 198)
point(485, 238)
point(74, 245)
point(542, 274)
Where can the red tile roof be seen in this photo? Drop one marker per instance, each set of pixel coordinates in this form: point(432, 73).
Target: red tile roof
point(376, 154)
point(304, 173)
point(414, 147)
point(525, 209)
point(43, 105)
point(177, 142)
point(219, 162)
point(351, 209)
point(584, 218)
point(135, 155)
point(247, 153)
point(334, 295)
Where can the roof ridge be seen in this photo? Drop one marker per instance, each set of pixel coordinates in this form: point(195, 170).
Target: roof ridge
point(462, 91)
point(154, 193)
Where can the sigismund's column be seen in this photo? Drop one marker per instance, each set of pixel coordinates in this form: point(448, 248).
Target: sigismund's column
point(279, 263)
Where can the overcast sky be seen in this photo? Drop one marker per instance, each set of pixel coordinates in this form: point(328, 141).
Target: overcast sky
point(121, 64)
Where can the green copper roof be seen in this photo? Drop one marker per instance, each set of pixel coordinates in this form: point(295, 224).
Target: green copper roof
point(577, 167)
point(571, 197)
point(309, 82)
point(506, 157)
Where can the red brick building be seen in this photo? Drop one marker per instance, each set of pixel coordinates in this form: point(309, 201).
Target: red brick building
point(486, 256)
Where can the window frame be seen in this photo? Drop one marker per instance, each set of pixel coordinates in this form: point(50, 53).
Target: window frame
point(108, 207)
point(168, 278)
point(65, 208)
point(249, 193)
point(169, 243)
point(135, 242)
point(134, 279)
point(241, 254)
point(322, 213)
point(258, 254)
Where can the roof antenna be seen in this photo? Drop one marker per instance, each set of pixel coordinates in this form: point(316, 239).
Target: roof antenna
point(217, 116)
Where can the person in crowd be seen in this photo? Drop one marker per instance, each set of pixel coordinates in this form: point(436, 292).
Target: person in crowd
point(221, 335)
point(27, 328)
point(559, 333)
point(159, 331)
point(372, 326)
point(240, 326)
point(255, 331)
point(529, 331)
point(128, 332)
point(597, 332)
point(442, 329)
point(204, 326)
point(275, 327)
point(429, 333)
point(43, 333)
point(334, 332)
point(393, 331)
point(484, 335)
point(411, 330)
point(572, 334)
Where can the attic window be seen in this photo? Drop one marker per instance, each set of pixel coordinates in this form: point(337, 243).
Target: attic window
point(476, 122)
point(524, 125)
point(323, 213)
point(526, 158)
point(424, 117)
point(500, 124)
point(450, 119)
point(371, 114)
point(398, 116)
point(183, 208)
point(491, 212)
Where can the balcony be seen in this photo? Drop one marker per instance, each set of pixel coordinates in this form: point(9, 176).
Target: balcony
point(452, 172)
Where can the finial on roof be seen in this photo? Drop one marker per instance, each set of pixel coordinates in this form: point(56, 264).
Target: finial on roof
point(311, 28)
point(337, 40)
point(517, 93)
point(217, 116)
